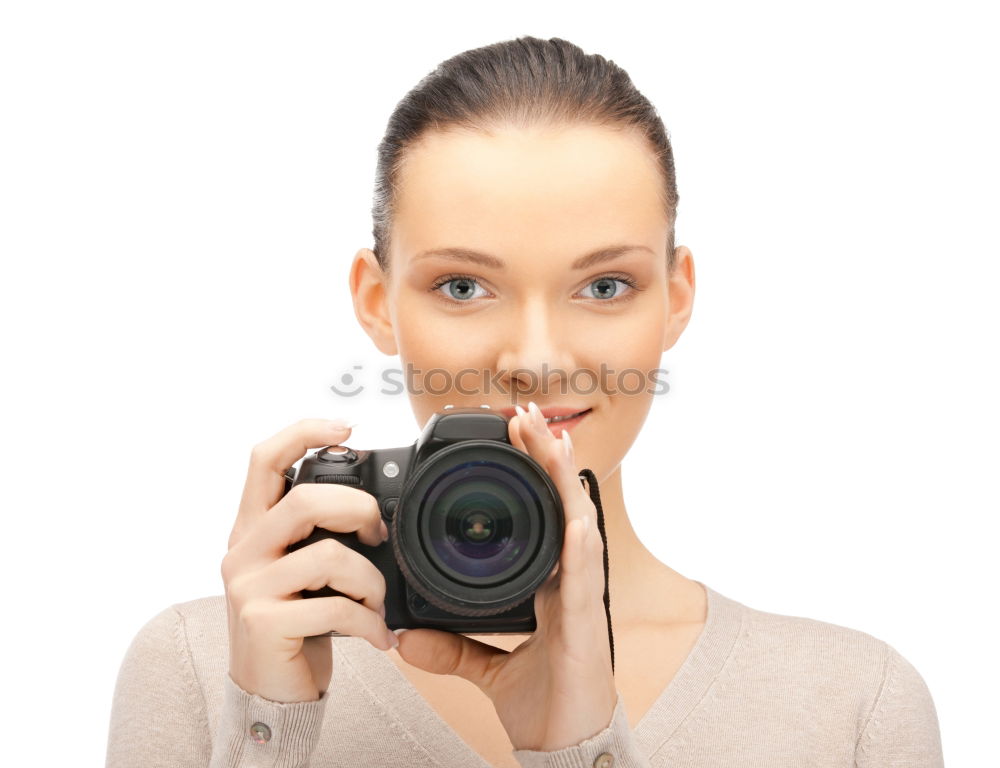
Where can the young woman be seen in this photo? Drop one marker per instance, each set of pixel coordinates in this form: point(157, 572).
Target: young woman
point(524, 226)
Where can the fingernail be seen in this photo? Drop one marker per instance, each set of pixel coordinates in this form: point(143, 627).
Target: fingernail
point(342, 424)
point(567, 445)
point(586, 524)
point(385, 532)
point(520, 411)
point(536, 415)
point(393, 640)
point(382, 610)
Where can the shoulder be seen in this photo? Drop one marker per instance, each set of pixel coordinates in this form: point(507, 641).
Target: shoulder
point(182, 651)
point(205, 615)
point(204, 620)
point(830, 670)
point(180, 633)
point(821, 653)
point(169, 658)
point(820, 650)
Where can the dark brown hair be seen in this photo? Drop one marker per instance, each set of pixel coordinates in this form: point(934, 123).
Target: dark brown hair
point(520, 82)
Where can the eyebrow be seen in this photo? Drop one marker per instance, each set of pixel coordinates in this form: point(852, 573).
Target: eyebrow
point(606, 253)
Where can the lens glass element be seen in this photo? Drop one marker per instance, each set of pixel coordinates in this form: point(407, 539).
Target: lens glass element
point(477, 518)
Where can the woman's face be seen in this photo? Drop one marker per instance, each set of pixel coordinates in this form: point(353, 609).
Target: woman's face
point(520, 316)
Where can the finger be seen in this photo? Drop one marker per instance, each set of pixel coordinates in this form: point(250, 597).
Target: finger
point(538, 439)
point(578, 583)
point(550, 452)
point(576, 590)
point(307, 617)
point(326, 562)
point(514, 432)
point(574, 492)
point(337, 508)
point(521, 422)
point(269, 459)
point(583, 551)
point(451, 653)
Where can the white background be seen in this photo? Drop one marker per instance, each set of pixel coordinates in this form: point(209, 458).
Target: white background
point(184, 186)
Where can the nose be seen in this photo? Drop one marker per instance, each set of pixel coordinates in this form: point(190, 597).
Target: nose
point(537, 355)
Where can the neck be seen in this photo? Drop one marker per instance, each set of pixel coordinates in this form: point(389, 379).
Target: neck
point(640, 585)
point(643, 590)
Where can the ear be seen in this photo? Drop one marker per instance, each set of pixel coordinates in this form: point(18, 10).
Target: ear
point(369, 290)
point(681, 292)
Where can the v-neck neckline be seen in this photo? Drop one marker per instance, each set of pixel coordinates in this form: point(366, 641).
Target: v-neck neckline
point(404, 703)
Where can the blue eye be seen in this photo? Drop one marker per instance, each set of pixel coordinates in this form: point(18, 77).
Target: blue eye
point(607, 288)
point(459, 287)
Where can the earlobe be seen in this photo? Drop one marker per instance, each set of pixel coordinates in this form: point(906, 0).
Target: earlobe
point(368, 284)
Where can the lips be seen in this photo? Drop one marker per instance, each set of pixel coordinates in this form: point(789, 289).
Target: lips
point(568, 423)
point(564, 417)
point(551, 411)
point(557, 417)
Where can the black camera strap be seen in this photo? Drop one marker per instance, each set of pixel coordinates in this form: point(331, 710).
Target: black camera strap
point(595, 496)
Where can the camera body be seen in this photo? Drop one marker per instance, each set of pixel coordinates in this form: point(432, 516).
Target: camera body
point(475, 524)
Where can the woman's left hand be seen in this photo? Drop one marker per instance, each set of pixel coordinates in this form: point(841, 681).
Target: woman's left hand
point(557, 688)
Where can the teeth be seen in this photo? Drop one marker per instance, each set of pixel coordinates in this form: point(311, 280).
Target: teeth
point(563, 418)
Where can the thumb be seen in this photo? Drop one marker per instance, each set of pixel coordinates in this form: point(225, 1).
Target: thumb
point(450, 653)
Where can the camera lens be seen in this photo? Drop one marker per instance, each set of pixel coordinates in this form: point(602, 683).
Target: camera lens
point(479, 520)
point(479, 527)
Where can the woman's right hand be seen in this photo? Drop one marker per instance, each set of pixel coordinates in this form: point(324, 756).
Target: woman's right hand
point(271, 649)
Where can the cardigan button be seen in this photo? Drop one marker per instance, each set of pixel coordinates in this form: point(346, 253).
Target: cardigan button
point(604, 760)
point(260, 733)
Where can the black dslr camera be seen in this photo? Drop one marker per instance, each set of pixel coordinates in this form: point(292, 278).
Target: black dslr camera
point(475, 525)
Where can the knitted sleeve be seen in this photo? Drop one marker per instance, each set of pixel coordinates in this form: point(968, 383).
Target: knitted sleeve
point(159, 716)
point(902, 728)
point(614, 746)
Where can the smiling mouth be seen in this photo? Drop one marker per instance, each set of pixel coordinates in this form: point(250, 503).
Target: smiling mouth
point(567, 417)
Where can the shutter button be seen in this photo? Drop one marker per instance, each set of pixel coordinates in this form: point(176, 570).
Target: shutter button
point(260, 733)
point(604, 760)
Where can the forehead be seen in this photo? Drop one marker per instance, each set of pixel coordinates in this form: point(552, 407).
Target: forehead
point(558, 189)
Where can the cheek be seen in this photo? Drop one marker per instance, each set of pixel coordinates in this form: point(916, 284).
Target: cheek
point(634, 347)
point(430, 338)
point(629, 340)
point(631, 348)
